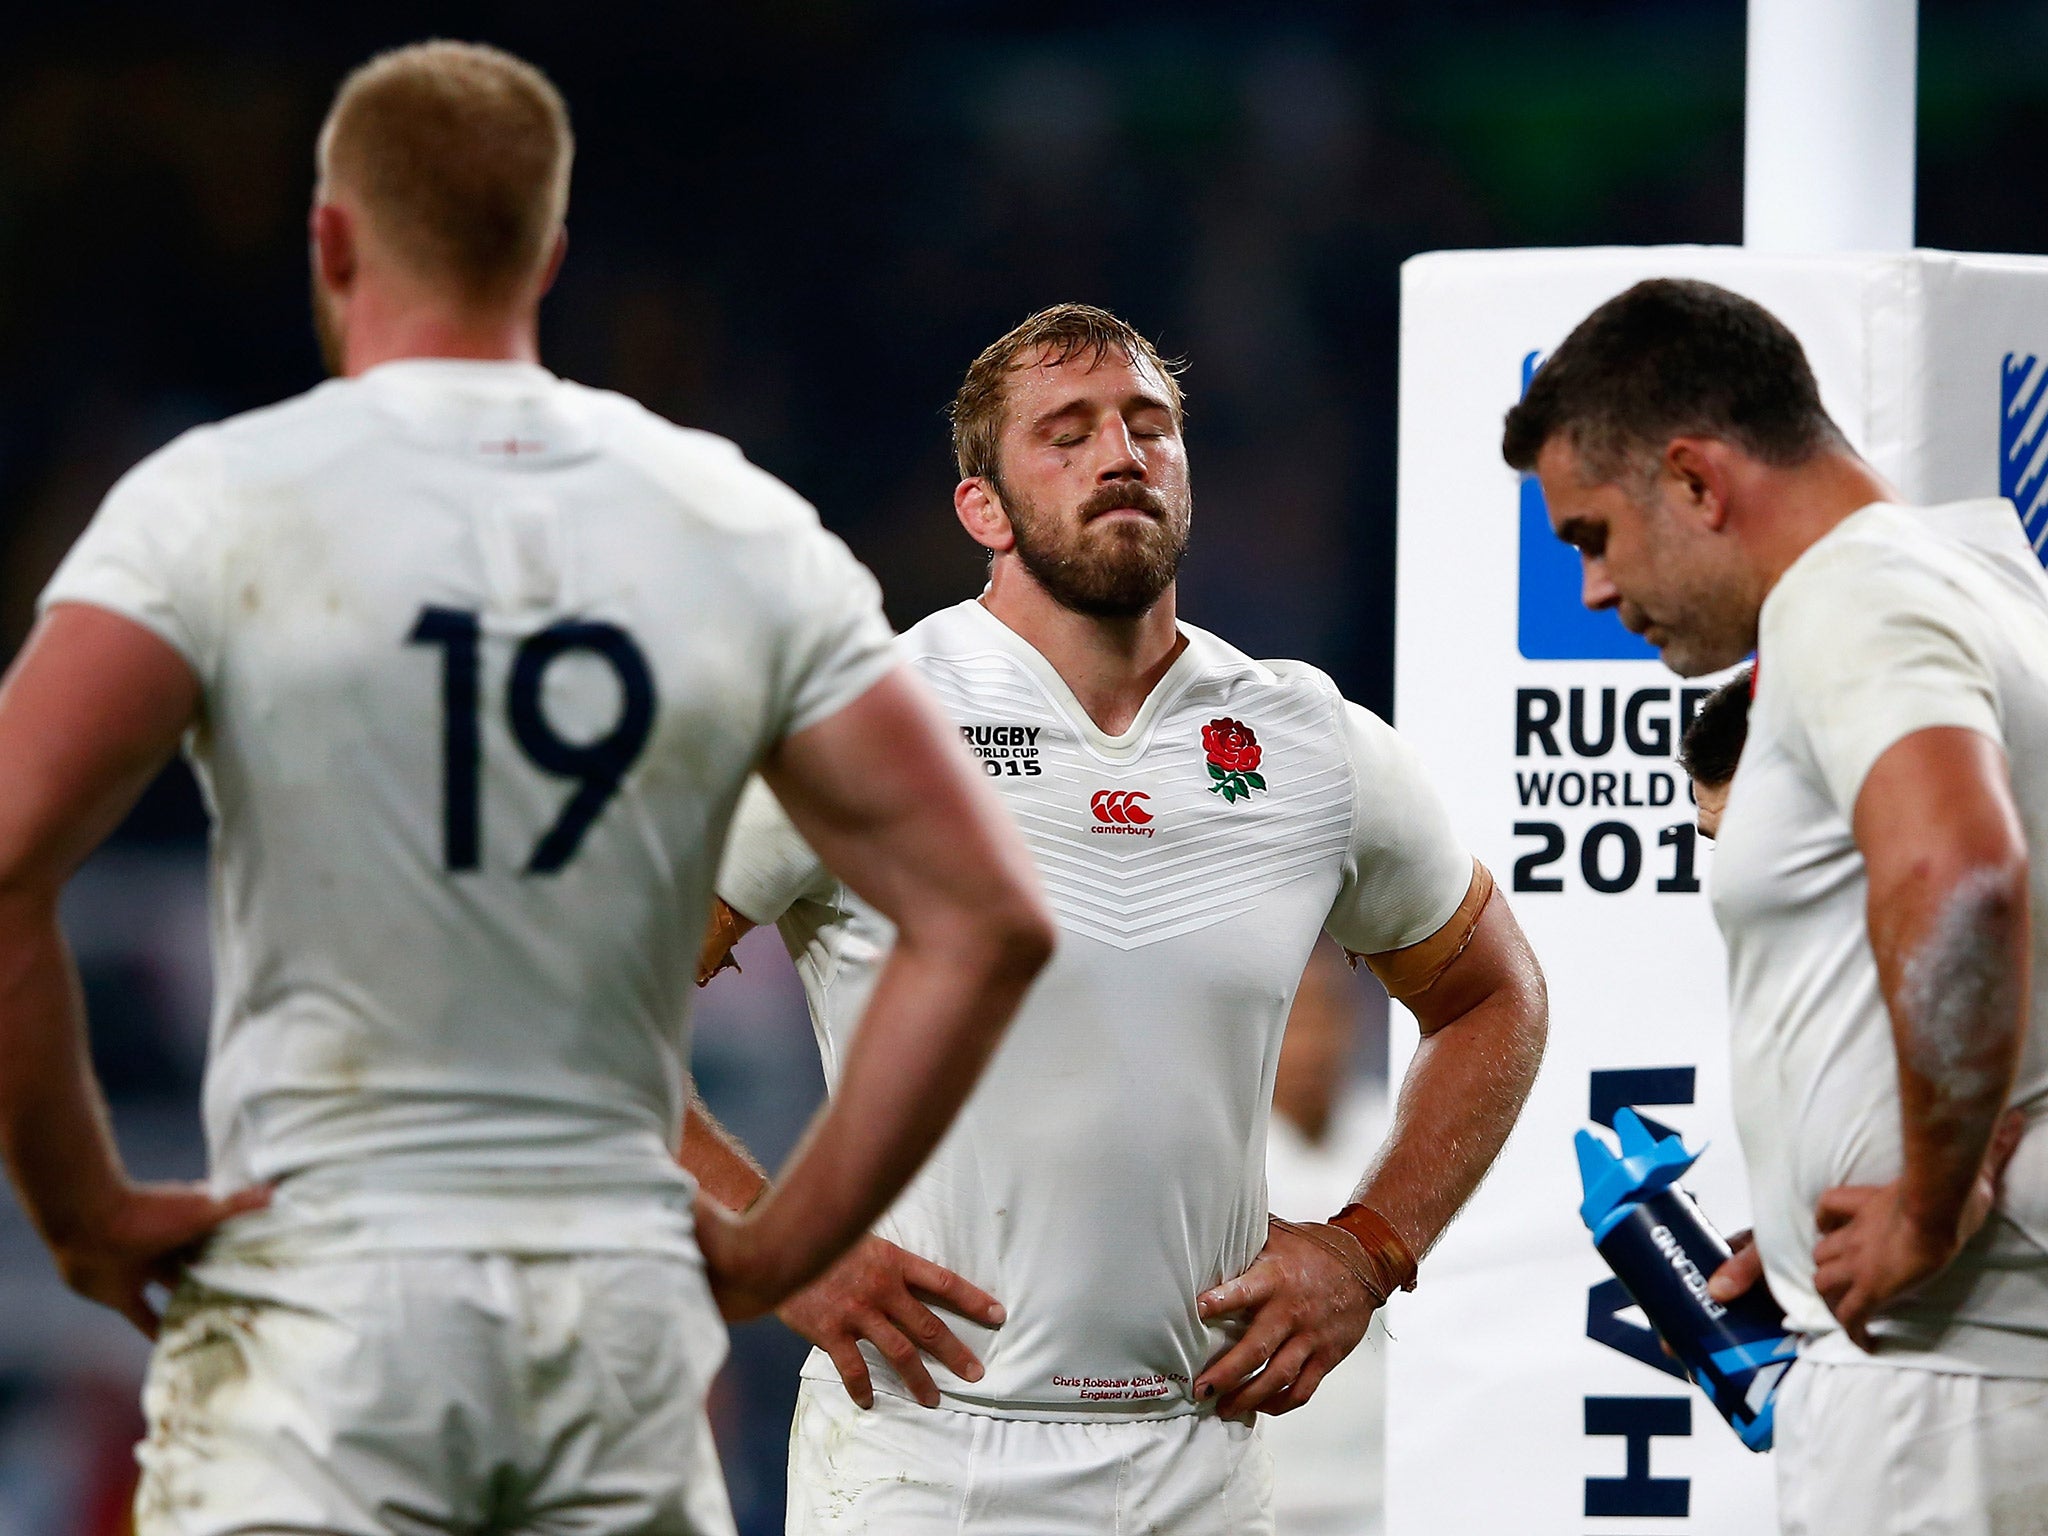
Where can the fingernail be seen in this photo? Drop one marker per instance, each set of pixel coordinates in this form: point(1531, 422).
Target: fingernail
point(973, 1372)
point(997, 1316)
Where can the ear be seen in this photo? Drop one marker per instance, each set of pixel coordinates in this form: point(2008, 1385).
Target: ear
point(333, 238)
point(553, 269)
point(981, 513)
point(1703, 471)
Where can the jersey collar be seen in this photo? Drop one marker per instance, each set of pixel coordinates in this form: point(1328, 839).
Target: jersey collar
point(469, 375)
point(1131, 744)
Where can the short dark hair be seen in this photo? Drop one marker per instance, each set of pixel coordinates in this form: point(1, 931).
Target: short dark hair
point(1672, 358)
point(1713, 742)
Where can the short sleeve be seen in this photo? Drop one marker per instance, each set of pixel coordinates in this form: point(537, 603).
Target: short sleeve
point(767, 867)
point(153, 553)
point(1864, 648)
point(1406, 870)
point(838, 643)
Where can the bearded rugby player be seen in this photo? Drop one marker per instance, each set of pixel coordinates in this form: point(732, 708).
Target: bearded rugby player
point(1877, 879)
point(1098, 1218)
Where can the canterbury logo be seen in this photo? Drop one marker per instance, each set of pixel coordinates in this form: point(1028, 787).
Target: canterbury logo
point(1122, 806)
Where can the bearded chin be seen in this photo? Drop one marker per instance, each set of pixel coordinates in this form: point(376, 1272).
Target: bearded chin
point(1120, 580)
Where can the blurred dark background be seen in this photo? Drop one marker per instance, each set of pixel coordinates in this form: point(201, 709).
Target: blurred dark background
point(794, 222)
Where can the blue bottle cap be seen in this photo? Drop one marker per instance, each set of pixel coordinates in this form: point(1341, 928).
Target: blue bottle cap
point(1614, 1184)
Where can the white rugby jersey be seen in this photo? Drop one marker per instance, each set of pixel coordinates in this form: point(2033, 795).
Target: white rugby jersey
point(1896, 621)
point(486, 659)
point(1111, 1165)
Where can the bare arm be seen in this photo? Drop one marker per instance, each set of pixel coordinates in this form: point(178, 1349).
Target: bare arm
point(888, 798)
point(1484, 1022)
point(1478, 993)
point(877, 1291)
point(722, 1166)
point(91, 709)
point(1949, 923)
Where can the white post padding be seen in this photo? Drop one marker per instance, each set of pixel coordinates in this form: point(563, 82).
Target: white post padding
point(1829, 124)
point(1551, 734)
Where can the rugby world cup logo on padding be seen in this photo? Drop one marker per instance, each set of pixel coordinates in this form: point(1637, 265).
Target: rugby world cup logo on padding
point(1234, 757)
point(2023, 445)
point(1121, 810)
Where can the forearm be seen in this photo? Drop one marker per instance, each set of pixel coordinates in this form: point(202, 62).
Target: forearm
point(54, 1130)
point(1459, 1100)
point(1958, 987)
point(723, 1168)
point(935, 1017)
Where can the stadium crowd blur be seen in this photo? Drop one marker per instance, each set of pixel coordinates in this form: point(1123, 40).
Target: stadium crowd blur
point(793, 223)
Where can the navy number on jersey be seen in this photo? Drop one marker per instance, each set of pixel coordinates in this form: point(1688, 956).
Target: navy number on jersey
point(597, 766)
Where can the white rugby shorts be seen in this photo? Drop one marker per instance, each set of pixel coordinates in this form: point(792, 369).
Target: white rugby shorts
point(426, 1393)
point(1878, 1450)
point(911, 1471)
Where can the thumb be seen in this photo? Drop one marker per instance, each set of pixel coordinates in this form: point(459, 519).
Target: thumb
point(255, 1198)
point(1736, 1275)
point(206, 1212)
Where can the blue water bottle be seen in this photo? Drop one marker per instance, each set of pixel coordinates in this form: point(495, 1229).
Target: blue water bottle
point(1658, 1244)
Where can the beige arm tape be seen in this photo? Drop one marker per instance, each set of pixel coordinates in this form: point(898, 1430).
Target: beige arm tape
point(1410, 972)
point(720, 936)
point(1387, 1252)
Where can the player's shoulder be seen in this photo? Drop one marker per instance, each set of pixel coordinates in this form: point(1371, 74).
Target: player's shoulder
point(322, 424)
point(1882, 563)
point(976, 665)
point(1219, 663)
point(707, 477)
point(218, 466)
point(203, 456)
point(189, 465)
point(1298, 692)
point(959, 632)
point(1881, 543)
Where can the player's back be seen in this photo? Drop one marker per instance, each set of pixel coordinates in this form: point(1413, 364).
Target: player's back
point(486, 658)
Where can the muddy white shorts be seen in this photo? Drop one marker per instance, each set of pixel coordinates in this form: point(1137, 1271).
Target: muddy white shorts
point(901, 1470)
point(436, 1393)
point(1876, 1450)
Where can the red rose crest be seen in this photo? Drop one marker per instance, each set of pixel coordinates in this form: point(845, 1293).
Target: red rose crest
point(1234, 754)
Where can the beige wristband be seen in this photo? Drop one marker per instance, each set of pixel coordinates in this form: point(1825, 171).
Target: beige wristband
point(1393, 1261)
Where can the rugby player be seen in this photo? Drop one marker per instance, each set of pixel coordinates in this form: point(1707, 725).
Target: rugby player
point(1872, 878)
point(472, 664)
point(1098, 1217)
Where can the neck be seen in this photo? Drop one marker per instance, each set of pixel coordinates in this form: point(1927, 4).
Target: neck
point(385, 332)
point(1802, 505)
point(1110, 665)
